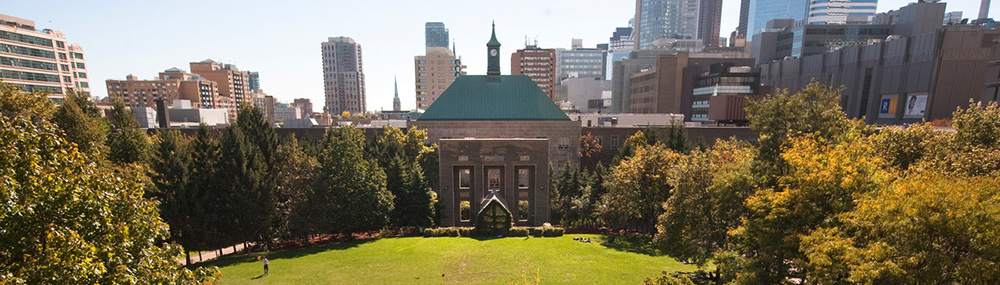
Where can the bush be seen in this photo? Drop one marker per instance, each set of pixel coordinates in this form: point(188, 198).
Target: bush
point(535, 232)
point(552, 232)
point(517, 232)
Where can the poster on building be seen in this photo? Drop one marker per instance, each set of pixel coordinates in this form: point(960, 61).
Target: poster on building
point(887, 109)
point(916, 105)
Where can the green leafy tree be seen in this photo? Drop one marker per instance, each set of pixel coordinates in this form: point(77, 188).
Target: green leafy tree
point(707, 203)
point(88, 131)
point(126, 142)
point(15, 102)
point(352, 189)
point(781, 116)
point(67, 219)
point(637, 187)
point(646, 137)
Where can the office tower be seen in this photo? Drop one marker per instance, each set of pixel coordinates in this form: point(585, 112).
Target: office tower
point(171, 84)
point(709, 21)
point(305, 106)
point(579, 62)
point(665, 19)
point(343, 76)
point(433, 73)
point(761, 11)
point(842, 12)
point(254, 81)
point(741, 29)
point(435, 34)
point(40, 60)
point(984, 9)
point(537, 63)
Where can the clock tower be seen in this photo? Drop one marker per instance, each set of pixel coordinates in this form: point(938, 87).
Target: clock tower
point(493, 50)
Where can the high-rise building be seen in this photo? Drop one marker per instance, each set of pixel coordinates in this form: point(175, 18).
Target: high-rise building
point(579, 62)
point(537, 63)
point(40, 60)
point(434, 72)
point(435, 34)
point(760, 12)
point(741, 29)
point(842, 12)
point(621, 39)
point(254, 80)
point(171, 84)
point(665, 19)
point(343, 76)
point(233, 83)
point(709, 22)
point(305, 106)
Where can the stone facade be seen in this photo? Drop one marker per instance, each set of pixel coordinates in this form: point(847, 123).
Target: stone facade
point(563, 136)
point(516, 169)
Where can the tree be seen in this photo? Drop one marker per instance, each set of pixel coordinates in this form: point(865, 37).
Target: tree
point(414, 203)
point(297, 176)
point(707, 203)
point(170, 175)
point(126, 142)
point(247, 200)
point(637, 187)
point(206, 192)
point(88, 131)
point(68, 219)
point(646, 137)
point(33, 105)
point(925, 229)
point(352, 189)
point(780, 116)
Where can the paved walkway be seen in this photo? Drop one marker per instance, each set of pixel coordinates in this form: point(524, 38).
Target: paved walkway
point(212, 254)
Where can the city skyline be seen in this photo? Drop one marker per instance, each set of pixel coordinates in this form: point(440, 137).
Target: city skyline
point(279, 40)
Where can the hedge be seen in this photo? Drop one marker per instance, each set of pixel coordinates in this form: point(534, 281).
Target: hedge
point(512, 232)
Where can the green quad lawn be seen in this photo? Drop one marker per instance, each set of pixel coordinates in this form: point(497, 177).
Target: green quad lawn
point(418, 260)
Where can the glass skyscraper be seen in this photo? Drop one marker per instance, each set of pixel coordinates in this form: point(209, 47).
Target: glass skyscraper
point(808, 11)
point(762, 11)
point(671, 19)
point(436, 34)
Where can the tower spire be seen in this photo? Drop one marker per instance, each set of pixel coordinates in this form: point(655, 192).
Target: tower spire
point(493, 58)
point(395, 100)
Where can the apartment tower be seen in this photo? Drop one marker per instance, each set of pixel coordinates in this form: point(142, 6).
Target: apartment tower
point(40, 60)
point(343, 76)
point(171, 84)
point(437, 68)
point(537, 63)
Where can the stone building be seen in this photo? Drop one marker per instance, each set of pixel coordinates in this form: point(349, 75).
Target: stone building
point(497, 134)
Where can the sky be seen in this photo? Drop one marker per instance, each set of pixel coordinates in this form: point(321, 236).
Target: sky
point(281, 39)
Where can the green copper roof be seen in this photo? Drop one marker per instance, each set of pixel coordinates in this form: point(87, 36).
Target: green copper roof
point(493, 98)
point(493, 38)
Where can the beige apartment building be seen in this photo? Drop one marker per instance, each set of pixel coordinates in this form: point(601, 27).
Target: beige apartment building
point(233, 83)
point(433, 73)
point(343, 76)
point(171, 84)
point(40, 60)
point(537, 63)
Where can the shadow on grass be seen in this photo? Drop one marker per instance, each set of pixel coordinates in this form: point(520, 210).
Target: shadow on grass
point(283, 254)
point(641, 244)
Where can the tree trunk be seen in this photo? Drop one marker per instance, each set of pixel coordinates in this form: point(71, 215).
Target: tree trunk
point(187, 256)
point(199, 256)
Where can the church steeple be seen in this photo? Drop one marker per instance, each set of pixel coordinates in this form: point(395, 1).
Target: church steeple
point(493, 50)
point(395, 100)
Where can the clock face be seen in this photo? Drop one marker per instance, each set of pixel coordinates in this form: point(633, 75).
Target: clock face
point(493, 52)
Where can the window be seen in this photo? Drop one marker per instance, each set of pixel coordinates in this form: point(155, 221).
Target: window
point(563, 143)
point(523, 178)
point(614, 141)
point(80, 65)
point(82, 74)
point(464, 178)
point(523, 209)
point(62, 56)
point(465, 211)
point(64, 67)
point(78, 55)
point(493, 178)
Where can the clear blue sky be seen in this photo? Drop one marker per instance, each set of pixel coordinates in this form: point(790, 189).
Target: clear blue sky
point(281, 39)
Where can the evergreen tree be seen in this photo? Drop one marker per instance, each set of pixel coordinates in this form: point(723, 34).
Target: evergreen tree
point(126, 142)
point(171, 177)
point(248, 196)
point(205, 192)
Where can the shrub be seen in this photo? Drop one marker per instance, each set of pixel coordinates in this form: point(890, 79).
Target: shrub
point(552, 232)
point(517, 232)
point(467, 232)
point(535, 232)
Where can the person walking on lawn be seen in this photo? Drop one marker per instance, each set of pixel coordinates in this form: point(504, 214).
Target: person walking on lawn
point(264, 260)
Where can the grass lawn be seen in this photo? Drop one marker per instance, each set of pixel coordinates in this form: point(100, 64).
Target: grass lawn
point(458, 259)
